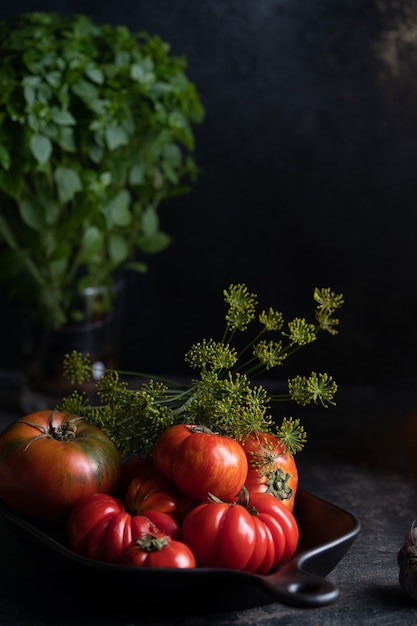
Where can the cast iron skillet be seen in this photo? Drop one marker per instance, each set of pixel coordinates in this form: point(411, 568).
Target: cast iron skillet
point(326, 534)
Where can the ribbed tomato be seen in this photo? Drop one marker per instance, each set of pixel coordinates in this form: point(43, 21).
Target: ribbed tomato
point(271, 468)
point(145, 488)
point(200, 462)
point(255, 536)
point(49, 460)
point(100, 528)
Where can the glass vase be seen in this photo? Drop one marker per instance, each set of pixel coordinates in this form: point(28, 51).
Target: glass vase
point(98, 335)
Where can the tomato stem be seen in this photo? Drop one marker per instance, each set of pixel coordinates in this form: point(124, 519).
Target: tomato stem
point(67, 431)
point(152, 543)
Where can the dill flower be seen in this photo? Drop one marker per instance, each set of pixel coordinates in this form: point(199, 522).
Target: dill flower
point(223, 395)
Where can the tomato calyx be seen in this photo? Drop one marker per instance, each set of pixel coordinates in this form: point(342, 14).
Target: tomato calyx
point(151, 542)
point(67, 431)
point(277, 484)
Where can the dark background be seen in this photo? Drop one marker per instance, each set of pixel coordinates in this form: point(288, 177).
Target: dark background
point(308, 178)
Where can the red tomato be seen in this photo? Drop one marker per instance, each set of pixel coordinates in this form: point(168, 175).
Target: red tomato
point(131, 466)
point(165, 522)
point(87, 513)
point(49, 460)
point(148, 490)
point(274, 513)
point(255, 537)
point(100, 528)
point(271, 468)
point(200, 462)
point(158, 550)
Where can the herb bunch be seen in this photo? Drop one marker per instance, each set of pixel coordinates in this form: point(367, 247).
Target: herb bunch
point(96, 135)
point(222, 396)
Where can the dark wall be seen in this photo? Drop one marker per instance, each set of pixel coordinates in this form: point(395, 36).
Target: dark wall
point(308, 159)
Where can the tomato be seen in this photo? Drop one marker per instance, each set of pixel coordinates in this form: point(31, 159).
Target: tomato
point(158, 550)
point(49, 460)
point(255, 536)
point(149, 489)
point(87, 513)
point(112, 534)
point(100, 528)
point(131, 466)
point(271, 468)
point(164, 521)
point(273, 512)
point(200, 462)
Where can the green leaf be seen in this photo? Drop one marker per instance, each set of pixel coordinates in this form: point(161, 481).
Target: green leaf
point(156, 243)
point(31, 214)
point(63, 118)
point(41, 148)
point(96, 154)
point(30, 94)
point(160, 89)
point(117, 211)
point(44, 93)
point(122, 58)
point(95, 74)
point(137, 174)
point(136, 267)
point(65, 138)
point(143, 72)
point(91, 243)
point(58, 267)
point(118, 248)
point(50, 208)
point(116, 136)
point(150, 222)
point(177, 120)
point(68, 183)
point(54, 79)
point(172, 154)
point(105, 178)
point(170, 173)
point(85, 90)
point(30, 85)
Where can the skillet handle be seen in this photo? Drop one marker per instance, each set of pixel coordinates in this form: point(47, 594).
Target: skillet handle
point(294, 586)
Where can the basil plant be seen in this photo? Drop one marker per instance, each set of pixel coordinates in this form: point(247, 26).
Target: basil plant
point(96, 131)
